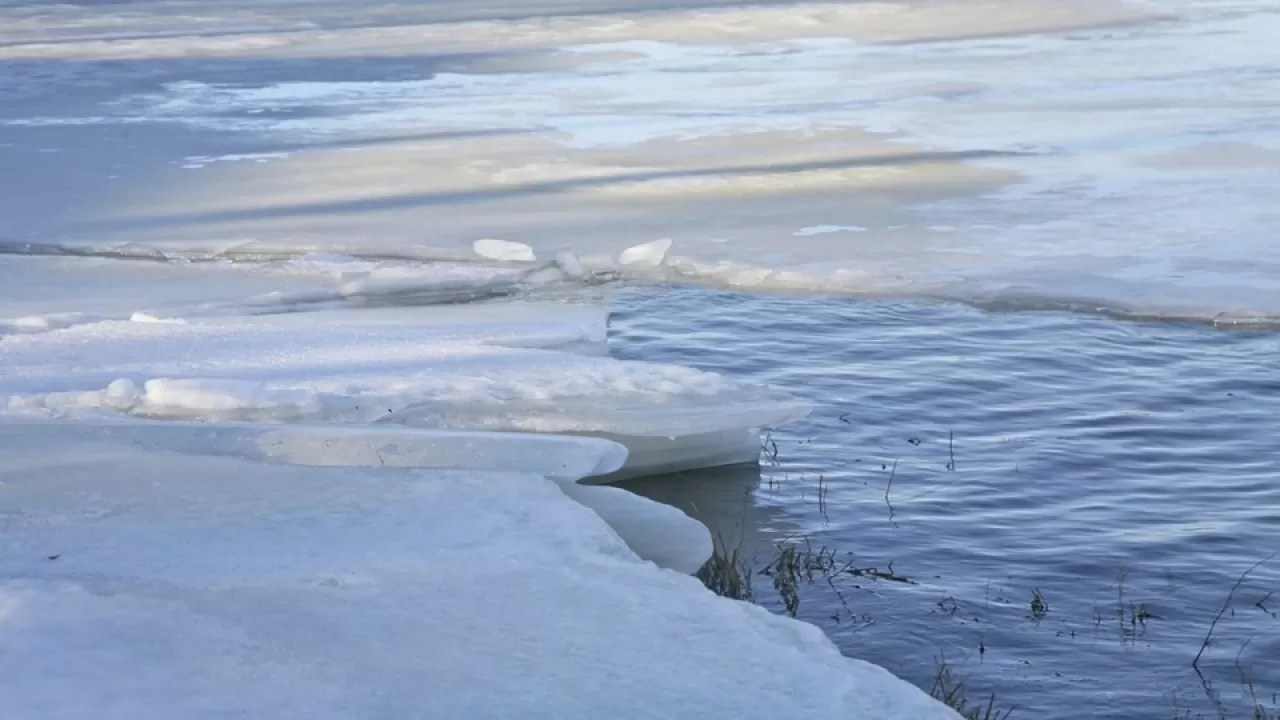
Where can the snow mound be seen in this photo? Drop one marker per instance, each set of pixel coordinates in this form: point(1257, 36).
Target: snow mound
point(140, 585)
point(503, 250)
point(145, 317)
point(646, 255)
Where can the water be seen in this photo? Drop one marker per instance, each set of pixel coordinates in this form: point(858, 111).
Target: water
point(1109, 465)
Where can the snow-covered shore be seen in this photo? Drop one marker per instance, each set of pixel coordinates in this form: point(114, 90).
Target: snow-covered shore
point(145, 581)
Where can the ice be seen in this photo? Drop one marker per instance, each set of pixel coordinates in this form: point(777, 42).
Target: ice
point(42, 323)
point(194, 397)
point(651, 454)
point(647, 255)
point(655, 532)
point(138, 584)
point(146, 317)
point(570, 264)
point(827, 229)
point(504, 250)
point(608, 125)
point(532, 367)
point(559, 457)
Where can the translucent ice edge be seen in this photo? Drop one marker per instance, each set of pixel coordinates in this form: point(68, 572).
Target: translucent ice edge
point(514, 367)
point(564, 457)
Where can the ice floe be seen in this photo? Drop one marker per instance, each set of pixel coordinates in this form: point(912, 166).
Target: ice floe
point(535, 367)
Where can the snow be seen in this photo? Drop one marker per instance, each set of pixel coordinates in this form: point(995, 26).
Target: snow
point(646, 255)
point(201, 396)
point(145, 317)
point(504, 250)
point(827, 229)
point(141, 584)
point(41, 323)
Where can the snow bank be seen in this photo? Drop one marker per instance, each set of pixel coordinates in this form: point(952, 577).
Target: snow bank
point(504, 250)
point(142, 584)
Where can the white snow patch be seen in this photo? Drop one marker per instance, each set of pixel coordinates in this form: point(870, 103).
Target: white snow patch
point(645, 255)
point(504, 250)
point(828, 229)
point(199, 161)
point(144, 317)
point(196, 396)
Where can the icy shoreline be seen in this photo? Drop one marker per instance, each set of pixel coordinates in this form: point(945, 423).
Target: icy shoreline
point(284, 509)
point(146, 583)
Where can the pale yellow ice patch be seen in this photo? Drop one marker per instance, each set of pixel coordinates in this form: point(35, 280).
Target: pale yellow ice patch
point(529, 188)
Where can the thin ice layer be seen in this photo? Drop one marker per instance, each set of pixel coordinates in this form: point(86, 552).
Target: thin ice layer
point(137, 584)
point(41, 292)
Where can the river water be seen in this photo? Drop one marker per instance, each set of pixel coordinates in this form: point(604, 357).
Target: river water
point(1109, 465)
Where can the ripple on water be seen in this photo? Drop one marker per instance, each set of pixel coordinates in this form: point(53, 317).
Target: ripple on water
point(1123, 469)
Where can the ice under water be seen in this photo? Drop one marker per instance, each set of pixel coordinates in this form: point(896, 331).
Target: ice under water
point(308, 233)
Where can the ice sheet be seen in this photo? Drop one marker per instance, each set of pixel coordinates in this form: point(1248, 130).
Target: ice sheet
point(563, 458)
point(513, 367)
point(137, 584)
